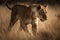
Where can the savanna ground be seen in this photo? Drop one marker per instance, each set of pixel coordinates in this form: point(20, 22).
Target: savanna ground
point(48, 30)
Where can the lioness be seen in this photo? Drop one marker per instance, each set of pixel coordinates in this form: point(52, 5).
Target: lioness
point(27, 15)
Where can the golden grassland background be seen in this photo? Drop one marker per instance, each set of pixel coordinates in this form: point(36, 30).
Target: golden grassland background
point(48, 30)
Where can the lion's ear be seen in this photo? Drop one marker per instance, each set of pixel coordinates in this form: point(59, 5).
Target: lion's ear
point(39, 7)
point(46, 7)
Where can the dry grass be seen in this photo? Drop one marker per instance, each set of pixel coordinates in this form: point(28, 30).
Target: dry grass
point(48, 30)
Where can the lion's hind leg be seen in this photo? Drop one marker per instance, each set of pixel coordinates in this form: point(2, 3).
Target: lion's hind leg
point(23, 26)
point(12, 21)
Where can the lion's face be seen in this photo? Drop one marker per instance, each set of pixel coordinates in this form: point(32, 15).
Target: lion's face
point(40, 12)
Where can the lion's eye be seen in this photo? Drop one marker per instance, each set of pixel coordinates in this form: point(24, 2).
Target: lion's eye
point(38, 8)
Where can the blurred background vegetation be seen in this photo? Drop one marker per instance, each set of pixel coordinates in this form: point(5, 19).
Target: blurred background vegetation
point(2, 2)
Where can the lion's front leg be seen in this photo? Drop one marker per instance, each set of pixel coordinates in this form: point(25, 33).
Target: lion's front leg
point(34, 27)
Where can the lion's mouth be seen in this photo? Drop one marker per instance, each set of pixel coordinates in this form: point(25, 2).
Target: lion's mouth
point(43, 20)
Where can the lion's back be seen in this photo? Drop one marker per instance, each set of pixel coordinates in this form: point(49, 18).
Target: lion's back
point(22, 11)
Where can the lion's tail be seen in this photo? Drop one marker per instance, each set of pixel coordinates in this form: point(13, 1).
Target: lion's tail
point(8, 6)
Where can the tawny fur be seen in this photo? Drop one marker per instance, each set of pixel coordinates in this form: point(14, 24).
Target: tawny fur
point(27, 15)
